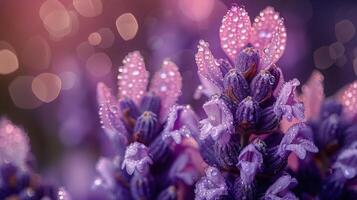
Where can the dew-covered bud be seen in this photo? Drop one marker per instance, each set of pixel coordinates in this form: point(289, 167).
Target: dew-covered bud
point(227, 154)
point(145, 127)
point(235, 86)
point(212, 186)
point(224, 66)
point(262, 86)
point(277, 74)
point(142, 186)
point(247, 114)
point(136, 158)
point(130, 111)
point(248, 62)
point(244, 191)
point(159, 149)
point(268, 120)
point(150, 102)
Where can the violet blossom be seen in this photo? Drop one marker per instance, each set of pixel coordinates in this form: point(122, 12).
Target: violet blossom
point(17, 178)
point(240, 138)
point(332, 125)
point(148, 131)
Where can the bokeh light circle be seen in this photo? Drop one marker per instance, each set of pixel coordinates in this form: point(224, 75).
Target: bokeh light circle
point(8, 61)
point(99, 64)
point(46, 87)
point(21, 93)
point(127, 26)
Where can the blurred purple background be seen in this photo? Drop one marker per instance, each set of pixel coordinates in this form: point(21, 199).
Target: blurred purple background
point(53, 52)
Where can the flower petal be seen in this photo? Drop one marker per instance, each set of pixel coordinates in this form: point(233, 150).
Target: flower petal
point(167, 84)
point(280, 188)
point(208, 69)
point(181, 122)
point(133, 77)
point(313, 95)
point(286, 104)
point(109, 114)
point(211, 186)
point(14, 144)
point(293, 141)
point(269, 36)
point(250, 161)
point(234, 31)
point(219, 121)
point(136, 158)
point(348, 98)
point(347, 161)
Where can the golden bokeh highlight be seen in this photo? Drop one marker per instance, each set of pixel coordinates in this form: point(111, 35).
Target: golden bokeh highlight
point(88, 8)
point(46, 87)
point(8, 61)
point(127, 26)
point(94, 39)
point(55, 18)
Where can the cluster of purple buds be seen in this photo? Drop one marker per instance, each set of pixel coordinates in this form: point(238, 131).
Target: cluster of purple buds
point(17, 179)
point(332, 173)
point(240, 139)
point(148, 131)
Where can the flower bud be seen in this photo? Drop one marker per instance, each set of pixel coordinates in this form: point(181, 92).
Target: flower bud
point(330, 107)
point(276, 73)
point(247, 62)
point(244, 191)
point(151, 103)
point(262, 86)
point(142, 186)
point(159, 150)
point(130, 112)
point(247, 114)
point(168, 194)
point(327, 131)
point(235, 85)
point(145, 127)
point(268, 120)
point(224, 66)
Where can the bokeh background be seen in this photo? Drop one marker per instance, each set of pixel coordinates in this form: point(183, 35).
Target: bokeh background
point(53, 53)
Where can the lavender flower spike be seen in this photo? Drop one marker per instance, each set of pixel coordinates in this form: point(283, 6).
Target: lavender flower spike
point(279, 190)
point(293, 141)
point(212, 186)
point(136, 158)
point(286, 104)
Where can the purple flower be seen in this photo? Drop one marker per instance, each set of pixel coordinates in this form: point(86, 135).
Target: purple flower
point(219, 121)
point(286, 104)
point(136, 158)
point(14, 144)
point(250, 161)
point(181, 122)
point(250, 47)
point(279, 190)
point(346, 161)
point(212, 186)
point(293, 141)
point(183, 169)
